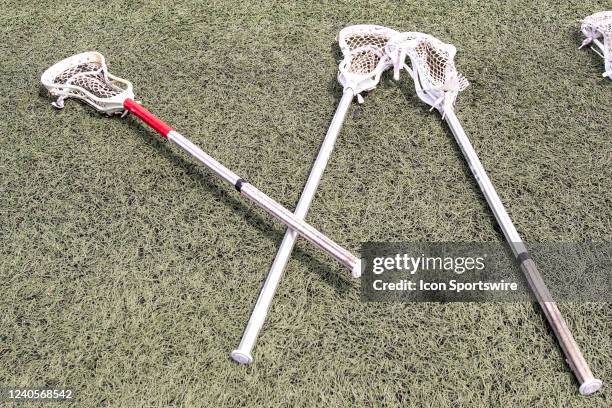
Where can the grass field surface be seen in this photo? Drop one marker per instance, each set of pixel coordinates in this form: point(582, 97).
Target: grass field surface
point(128, 271)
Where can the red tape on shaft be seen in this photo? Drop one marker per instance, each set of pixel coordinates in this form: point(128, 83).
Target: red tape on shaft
point(147, 117)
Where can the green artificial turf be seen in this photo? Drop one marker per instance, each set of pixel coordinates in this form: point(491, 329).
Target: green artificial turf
point(128, 271)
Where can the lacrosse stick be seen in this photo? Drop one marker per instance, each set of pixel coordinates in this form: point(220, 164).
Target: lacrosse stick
point(359, 71)
point(594, 27)
point(437, 83)
point(86, 77)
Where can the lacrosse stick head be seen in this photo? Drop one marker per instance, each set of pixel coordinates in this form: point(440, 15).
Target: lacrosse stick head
point(85, 76)
point(433, 70)
point(598, 27)
point(363, 47)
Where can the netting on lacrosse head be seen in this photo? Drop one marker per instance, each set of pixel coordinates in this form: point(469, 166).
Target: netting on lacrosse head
point(85, 76)
point(363, 47)
point(433, 70)
point(599, 26)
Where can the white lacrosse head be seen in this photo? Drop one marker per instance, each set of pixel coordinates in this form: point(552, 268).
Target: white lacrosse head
point(85, 76)
point(363, 47)
point(598, 27)
point(433, 69)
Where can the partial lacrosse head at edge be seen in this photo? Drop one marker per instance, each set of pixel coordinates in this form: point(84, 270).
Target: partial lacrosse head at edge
point(432, 68)
point(598, 27)
point(85, 76)
point(363, 47)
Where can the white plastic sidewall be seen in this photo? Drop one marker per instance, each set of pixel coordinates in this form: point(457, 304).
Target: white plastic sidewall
point(358, 82)
point(107, 105)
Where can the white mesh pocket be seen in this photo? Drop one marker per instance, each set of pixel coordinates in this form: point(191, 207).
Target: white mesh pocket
point(363, 47)
point(86, 77)
point(598, 29)
point(433, 70)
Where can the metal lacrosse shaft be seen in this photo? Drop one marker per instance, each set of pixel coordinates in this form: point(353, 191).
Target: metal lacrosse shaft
point(249, 191)
point(588, 383)
point(599, 44)
point(258, 317)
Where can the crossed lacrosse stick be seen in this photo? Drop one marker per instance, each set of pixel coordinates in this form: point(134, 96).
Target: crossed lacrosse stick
point(368, 51)
point(85, 76)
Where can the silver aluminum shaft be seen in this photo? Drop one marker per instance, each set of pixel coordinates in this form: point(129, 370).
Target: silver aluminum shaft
point(243, 353)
